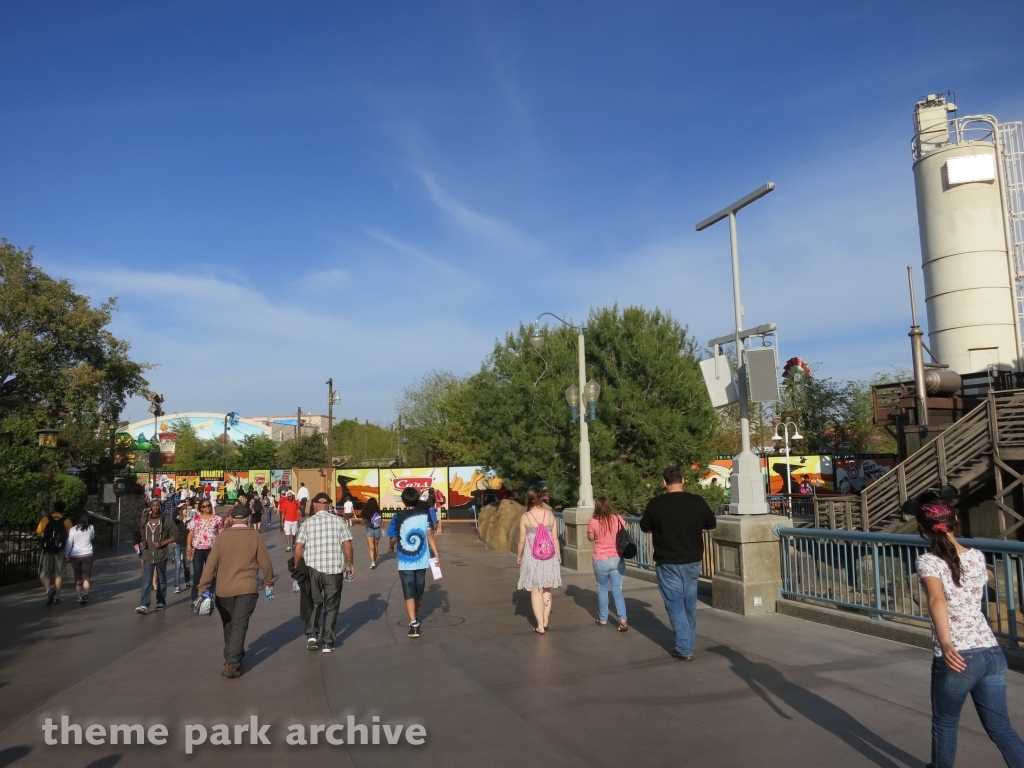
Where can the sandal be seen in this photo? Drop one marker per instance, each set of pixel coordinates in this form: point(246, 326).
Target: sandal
point(623, 627)
point(600, 623)
point(539, 631)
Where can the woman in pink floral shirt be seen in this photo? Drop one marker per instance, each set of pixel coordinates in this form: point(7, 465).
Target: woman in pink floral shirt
point(202, 531)
point(967, 658)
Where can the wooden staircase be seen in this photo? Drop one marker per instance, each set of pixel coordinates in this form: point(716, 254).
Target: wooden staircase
point(969, 453)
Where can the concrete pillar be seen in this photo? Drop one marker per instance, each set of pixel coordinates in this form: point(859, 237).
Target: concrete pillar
point(748, 569)
point(578, 552)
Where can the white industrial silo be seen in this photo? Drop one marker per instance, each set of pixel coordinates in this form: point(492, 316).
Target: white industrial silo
point(967, 237)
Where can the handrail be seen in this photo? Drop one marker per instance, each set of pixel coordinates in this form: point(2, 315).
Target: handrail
point(876, 573)
point(952, 452)
point(990, 545)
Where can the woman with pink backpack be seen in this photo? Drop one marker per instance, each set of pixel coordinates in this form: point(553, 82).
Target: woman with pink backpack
point(540, 557)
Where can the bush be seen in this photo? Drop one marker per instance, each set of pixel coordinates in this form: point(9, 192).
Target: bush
point(20, 497)
point(73, 492)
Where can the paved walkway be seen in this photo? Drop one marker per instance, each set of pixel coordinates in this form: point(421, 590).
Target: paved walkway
point(769, 691)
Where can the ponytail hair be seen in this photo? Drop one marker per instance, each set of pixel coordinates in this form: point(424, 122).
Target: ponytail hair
point(935, 519)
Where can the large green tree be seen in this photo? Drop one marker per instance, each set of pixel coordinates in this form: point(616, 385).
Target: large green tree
point(257, 452)
point(653, 408)
point(57, 357)
point(428, 419)
point(308, 452)
point(365, 442)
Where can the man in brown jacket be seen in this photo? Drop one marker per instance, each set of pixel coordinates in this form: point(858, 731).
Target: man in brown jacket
point(237, 556)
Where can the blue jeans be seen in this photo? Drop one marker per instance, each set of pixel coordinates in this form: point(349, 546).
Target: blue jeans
point(180, 564)
point(611, 569)
point(678, 586)
point(985, 680)
point(147, 582)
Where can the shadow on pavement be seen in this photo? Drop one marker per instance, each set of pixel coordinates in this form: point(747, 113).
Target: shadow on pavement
point(269, 643)
point(764, 678)
point(640, 618)
point(105, 762)
point(434, 598)
point(358, 614)
point(13, 754)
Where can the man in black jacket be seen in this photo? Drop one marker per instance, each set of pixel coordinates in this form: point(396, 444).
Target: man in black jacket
point(155, 533)
point(676, 521)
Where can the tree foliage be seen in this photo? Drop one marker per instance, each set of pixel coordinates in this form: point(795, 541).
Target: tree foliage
point(833, 417)
point(308, 452)
point(425, 408)
point(257, 452)
point(653, 408)
point(365, 442)
point(57, 358)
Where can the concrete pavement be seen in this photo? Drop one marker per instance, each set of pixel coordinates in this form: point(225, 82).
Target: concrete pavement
point(766, 691)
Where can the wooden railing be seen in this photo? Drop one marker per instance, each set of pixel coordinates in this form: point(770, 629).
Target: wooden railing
point(956, 456)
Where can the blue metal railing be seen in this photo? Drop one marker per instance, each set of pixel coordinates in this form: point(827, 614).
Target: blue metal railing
point(645, 547)
point(876, 573)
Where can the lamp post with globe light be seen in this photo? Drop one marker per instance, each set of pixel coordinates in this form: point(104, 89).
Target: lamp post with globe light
point(591, 392)
point(785, 437)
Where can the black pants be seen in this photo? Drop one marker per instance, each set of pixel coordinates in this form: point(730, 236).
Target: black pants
point(326, 592)
point(198, 564)
point(234, 613)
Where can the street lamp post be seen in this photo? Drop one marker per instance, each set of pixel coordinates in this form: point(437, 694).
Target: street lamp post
point(332, 399)
point(785, 438)
point(578, 552)
point(591, 392)
point(746, 483)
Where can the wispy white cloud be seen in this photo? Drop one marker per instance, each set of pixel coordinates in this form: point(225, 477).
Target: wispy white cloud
point(223, 345)
point(492, 231)
point(406, 249)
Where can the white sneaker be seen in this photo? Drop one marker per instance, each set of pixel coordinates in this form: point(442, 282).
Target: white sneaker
point(373, 564)
point(142, 609)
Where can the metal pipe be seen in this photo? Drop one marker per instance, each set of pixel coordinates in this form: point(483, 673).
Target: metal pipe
point(917, 353)
point(741, 358)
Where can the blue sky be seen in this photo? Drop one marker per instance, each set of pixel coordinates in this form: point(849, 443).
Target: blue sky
point(282, 192)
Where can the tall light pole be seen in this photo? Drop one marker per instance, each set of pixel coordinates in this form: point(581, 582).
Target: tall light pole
point(332, 400)
point(591, 391)
point(746, 483)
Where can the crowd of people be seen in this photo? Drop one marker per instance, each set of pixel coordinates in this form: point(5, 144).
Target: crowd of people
point(220, 555)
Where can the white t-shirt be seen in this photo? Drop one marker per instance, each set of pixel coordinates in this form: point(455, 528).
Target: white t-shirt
point(968, 627)
point(79, 543)
point(303, 493)
point(349, 509)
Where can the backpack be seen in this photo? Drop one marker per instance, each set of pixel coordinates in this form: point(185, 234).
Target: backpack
point(376, 520)
point(543, 547)
point(624, 543)
point(54, 536)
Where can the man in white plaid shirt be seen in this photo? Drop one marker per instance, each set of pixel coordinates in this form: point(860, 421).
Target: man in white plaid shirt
point(325, 543)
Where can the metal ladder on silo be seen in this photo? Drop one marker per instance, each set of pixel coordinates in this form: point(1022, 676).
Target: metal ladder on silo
point(1011, 137)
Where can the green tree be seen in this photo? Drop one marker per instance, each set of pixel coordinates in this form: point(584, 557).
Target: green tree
point(834, 417)
point(364, 442)
point(192, 452)
point(257, 452)
point(57, 358)
point(426, 414)
point(308, 452)
point(653, 408)
point(73, 492)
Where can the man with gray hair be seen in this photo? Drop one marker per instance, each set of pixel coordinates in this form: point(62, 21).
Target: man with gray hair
point(237, 556)
point(324, 543)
